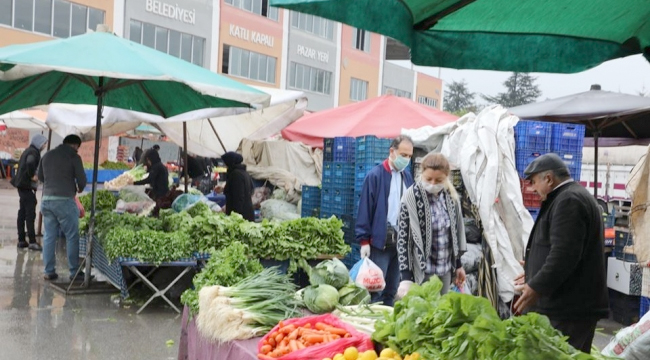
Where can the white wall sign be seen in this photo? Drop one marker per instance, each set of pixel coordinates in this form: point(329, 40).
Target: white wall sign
point(251, 36)
point(171, 11)
point(322, 56)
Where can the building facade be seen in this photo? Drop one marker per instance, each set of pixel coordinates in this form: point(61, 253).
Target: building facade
point(248, 40)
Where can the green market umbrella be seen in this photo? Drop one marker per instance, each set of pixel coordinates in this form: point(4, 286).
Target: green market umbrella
point(557, 36)
point(103, 69)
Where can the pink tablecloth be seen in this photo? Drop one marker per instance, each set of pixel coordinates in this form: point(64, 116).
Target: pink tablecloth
point(193, 346)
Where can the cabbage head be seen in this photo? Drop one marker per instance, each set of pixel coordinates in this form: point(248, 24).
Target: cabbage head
point(353, 294)
point(331, 272)
point(321, 299)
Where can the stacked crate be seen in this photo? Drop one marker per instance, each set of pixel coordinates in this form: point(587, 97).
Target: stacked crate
point(311, 201)
point(567, 141)
point(533, 139)
point(369, 152)
point(337, 196)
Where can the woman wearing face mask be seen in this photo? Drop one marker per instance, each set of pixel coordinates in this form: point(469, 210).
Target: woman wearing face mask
point(432, 235)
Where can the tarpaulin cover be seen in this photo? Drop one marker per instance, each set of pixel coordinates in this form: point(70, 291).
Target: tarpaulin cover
point(384, 117)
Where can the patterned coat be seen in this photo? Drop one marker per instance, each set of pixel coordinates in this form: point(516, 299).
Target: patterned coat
point(414, 242)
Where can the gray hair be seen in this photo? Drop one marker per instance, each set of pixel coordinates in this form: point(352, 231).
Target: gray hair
point(399, 140)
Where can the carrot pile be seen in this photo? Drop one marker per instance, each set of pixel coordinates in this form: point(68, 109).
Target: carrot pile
point(290, 338)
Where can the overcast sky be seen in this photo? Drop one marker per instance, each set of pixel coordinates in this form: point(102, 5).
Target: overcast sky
point(628, 75)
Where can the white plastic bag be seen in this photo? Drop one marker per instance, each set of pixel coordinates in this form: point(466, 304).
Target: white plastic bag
point(631, 343)
point(370, 276)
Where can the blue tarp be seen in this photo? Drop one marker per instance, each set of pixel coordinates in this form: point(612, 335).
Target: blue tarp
point(104, 175)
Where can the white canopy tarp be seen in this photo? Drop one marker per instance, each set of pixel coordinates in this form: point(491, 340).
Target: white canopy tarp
point(214, 136)
point(22, 120)
point(638, 187)
point(287, 165)
point(483, 148)
point(207, 129)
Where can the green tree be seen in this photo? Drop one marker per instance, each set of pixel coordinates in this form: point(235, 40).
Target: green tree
point(520, 90)
point(458, 98)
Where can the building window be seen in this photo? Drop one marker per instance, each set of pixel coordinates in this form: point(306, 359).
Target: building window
point(303, 77)
point(428, 101)
point(185, 46)
point(248, 64)
point(58, 18)
point(313, 24)
point(397, 92)
point(358, 90)
point(259, 7)
point(361, 40)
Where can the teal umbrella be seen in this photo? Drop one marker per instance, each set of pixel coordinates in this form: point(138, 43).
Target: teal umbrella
point(561, 36)
point(103, 69)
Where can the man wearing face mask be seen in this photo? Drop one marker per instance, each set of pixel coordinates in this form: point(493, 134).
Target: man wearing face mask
point(377, 219)
point(432, 233)
point(565, 276)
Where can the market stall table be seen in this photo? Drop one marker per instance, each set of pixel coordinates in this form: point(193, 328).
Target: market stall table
point(186, 264)
point(194, 347)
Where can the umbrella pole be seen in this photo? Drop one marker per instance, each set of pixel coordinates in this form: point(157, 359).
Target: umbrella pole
point(40, 214)
point(185, 169)
point(98, 138)
point(596, 133)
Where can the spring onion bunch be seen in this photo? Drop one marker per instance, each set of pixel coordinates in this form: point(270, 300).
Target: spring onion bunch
point(250, 308)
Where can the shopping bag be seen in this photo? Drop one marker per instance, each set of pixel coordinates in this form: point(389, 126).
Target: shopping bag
point(326, 350)
point(370, 276)
point(82, 211)
point(355, 270)
point(457, 289)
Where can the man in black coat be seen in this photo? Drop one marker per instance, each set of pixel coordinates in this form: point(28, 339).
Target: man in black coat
point(239, 187)
point(26, 183)
point(565, 276)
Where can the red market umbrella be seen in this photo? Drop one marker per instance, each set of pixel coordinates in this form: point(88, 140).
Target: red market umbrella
point(384, 117)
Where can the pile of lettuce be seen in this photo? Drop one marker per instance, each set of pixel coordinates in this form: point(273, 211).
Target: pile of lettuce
point(199, 230)
point(459, 326)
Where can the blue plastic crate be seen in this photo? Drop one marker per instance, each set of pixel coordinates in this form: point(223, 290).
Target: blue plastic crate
point(338, 175)
point(535, 135)
point(342, 202)
point(310, 211)
point(310, 192)
point(567, 138)
point(644, 306)
point(371, 142)
point(534, 213)
point(348, 227)
point(523, 157)
point(339, 149)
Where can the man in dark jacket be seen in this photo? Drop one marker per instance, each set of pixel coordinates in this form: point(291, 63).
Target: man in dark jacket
point(26, 182)
point(376, 228)
point(158, 176)
point(239, 187)
point(62, 174)
point(565, 275)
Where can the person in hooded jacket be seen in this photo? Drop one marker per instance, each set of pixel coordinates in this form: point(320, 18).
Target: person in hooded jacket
point(431, 240)
point(158, 177)
point(239, 187)
point(26, 182)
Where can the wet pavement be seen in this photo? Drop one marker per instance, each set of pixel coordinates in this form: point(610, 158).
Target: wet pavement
point(37, 322)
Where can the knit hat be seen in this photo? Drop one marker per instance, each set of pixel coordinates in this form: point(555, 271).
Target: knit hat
point(38, 141)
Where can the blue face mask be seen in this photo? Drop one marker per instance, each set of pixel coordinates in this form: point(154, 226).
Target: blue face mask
point(400, 163)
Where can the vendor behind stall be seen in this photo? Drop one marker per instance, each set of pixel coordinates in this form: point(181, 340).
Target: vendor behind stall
point(239, 187)
point(158, 176)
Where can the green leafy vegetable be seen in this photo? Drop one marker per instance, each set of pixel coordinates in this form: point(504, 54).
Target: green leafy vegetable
point(353, 294)
point(331, 272)
point(321, 299)
point(106, 200)
point(460, 326)
point(147, 245)
point(226, 267)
